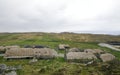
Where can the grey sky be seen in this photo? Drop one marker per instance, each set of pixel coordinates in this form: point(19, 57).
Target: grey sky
point(95, 16)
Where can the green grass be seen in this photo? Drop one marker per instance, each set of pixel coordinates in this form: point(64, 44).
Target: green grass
point(57, 66)
point(44, 67)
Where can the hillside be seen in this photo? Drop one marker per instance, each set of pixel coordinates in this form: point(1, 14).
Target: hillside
point(59, 66)
point(52, 40)
point(36, 38)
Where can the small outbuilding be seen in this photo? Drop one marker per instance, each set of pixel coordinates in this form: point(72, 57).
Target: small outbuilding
point(107, 57)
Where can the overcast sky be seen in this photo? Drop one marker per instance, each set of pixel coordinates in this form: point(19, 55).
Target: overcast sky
point(95, 16)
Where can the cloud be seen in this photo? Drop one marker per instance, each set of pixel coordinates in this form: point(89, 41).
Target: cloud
point(58, 16)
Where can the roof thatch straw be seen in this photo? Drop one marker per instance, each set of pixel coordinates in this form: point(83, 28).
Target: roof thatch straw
point(19, 53)
point(15, 46)
point(80, 55)
point(93, 51)
point(63, 46)
point(3, 48)
point(107, 57)
point(45, 53)
point(29, 52)
point(74, 50)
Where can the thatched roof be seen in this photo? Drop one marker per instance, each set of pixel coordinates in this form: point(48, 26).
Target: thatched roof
point(45, 53)
point(74, 50)
point(19, 53)
point(15, 46)
point(2, 48)
point(107, 57)
point(93, 51)
point(80, 55)
point(30, 52)
point(63, 46)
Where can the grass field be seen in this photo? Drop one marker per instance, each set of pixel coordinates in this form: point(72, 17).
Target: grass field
point(57, 66)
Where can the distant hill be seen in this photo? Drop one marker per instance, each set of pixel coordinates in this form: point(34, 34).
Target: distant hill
point(5, 37)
